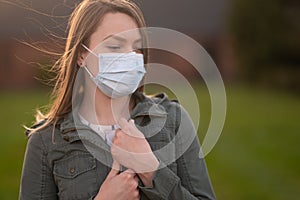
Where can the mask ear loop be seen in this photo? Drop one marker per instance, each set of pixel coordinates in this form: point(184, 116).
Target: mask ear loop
point(84, 66)
point(89, 50)
point(88, 71)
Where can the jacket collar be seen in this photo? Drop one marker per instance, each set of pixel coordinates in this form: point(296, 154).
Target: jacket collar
point(149, 106)
point(73, 129)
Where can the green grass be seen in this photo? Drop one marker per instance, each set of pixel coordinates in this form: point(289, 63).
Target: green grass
point(17, 109)
point(256, 157)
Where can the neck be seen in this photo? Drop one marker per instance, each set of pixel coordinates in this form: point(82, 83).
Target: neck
point(104, 110)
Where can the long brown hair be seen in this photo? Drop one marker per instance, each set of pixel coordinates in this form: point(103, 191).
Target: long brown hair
point(82, 25)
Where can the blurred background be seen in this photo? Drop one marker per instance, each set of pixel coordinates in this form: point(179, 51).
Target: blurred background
point(256, 46)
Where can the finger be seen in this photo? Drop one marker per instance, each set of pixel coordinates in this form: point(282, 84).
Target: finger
point(136, 195)
point(124, 125)
point(129, 128)
point(118, 134)
point(131, 121)
point(129, 171)
point(115, 168)
point(127, 175)
point(136, 178)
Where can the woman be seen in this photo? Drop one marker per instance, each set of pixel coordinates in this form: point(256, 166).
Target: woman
point(65, 157)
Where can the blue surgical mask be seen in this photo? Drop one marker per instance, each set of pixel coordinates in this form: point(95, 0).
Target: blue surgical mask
point(119, 73)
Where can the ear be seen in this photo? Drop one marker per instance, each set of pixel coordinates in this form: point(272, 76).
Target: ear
point(80, 60)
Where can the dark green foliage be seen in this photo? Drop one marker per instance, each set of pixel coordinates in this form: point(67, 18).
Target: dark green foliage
point(267, 39)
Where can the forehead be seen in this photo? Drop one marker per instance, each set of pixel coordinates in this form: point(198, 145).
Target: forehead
point(118, 24)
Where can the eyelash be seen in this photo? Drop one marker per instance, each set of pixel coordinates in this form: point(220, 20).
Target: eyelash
point(114, 47)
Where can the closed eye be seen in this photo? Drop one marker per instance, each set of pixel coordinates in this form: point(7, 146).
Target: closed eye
point(113, 47)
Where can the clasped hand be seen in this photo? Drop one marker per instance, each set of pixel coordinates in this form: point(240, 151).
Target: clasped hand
point(132, 150)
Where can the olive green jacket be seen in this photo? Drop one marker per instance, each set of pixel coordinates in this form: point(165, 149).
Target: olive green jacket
point(70, 161)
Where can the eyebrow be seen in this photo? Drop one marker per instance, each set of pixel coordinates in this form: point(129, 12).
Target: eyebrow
point(121, 39)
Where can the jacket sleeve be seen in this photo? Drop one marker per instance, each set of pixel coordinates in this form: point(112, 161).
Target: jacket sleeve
point(192, 180)
point(36, 180)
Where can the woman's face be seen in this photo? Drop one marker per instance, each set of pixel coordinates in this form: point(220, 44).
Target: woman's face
point(117, 33)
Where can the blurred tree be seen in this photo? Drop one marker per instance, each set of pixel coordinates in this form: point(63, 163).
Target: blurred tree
point(267, 40)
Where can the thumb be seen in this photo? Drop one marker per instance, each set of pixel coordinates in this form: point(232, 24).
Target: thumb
point(131, 121)
point(115, 168)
